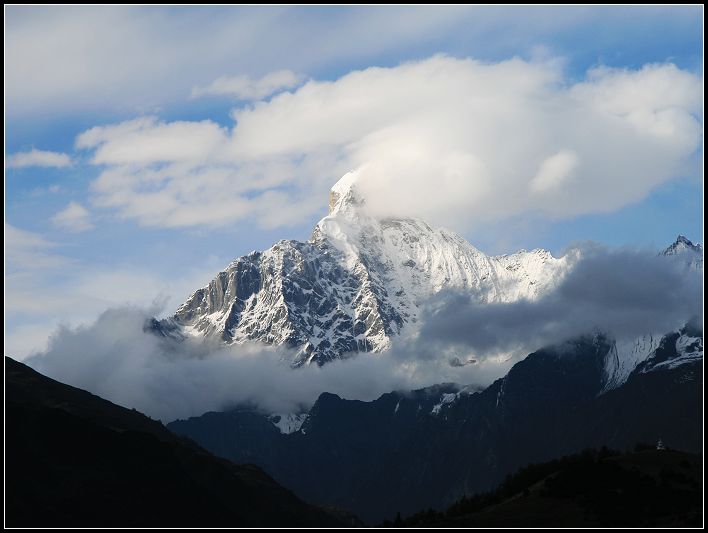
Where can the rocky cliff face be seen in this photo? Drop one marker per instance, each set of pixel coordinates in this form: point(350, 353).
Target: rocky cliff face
point(357, 282)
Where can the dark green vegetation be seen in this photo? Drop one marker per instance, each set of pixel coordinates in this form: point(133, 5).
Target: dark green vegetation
point(647, 488)
point(74, 459)
point(395, 454)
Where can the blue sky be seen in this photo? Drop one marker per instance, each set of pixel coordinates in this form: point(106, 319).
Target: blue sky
point(71, 69)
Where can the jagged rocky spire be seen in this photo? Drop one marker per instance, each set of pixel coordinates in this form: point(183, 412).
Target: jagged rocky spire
point(685, 249)
point(682, 244)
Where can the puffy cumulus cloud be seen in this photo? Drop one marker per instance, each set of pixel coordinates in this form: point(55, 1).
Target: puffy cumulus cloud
point(74, 218)
point(456, 141)
point(659, 112)
point(37, 158)
point(145, 141)
point(181, 174)
point(115, 358)
point(483, 136)
point(246, 88)
point(211, 195)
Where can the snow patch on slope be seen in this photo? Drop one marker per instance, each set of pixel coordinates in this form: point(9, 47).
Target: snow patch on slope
point(624, 357)
point(688, 349)
point(650, 353)
point(449, 398)
point(446, 399)
point(288, 423)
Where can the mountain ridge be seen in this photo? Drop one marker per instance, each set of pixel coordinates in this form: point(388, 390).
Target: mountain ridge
point(596, 488)
point(411, 450)
point(75, 459)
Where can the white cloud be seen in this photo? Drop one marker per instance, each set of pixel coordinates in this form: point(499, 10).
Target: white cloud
point(554, 171)
point(125, 58)
point(458, 142)
point(660, 101)
point(74, 218)
point(37, 158)
point(626, 293)
point(68, 58)
point(145, 140)
point(246, 88)
point(115, 358)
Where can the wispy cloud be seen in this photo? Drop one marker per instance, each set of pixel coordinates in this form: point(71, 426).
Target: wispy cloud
point(74, 218)
point(29, 258)
point(37, 158)
point(68, 58)
point(44, 286)
point(246, 88)
point(26, 251)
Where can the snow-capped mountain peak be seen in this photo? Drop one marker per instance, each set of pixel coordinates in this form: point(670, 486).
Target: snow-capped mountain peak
point(682, 244)
point(683, 248)
point(356, 284)
point(343, 194)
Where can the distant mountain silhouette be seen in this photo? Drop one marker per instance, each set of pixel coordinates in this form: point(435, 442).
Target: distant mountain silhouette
point(408, 451)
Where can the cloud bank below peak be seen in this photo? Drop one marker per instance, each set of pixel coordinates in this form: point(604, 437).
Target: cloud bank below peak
point(458, 142)
point(624, 293)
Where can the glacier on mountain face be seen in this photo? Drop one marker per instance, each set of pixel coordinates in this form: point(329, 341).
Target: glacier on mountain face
point(623, 358)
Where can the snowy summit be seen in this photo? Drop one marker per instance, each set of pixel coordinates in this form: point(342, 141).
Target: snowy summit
point(358, 282)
